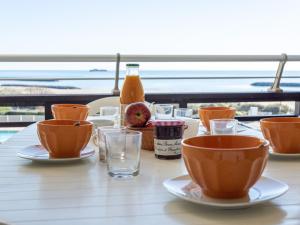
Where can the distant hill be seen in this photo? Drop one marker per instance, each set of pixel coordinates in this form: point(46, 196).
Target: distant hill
point(97, 70)
point(268, 84)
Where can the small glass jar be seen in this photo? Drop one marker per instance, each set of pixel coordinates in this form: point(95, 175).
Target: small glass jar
point(167, 138)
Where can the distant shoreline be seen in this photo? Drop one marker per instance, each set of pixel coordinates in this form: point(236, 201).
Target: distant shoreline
point(39, 80)
point(39, 86)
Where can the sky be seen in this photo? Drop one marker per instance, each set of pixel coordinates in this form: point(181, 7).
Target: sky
point(149, 27)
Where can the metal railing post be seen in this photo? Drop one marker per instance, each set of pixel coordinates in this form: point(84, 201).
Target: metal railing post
point(276, 84)
point(48, 112)
point(116, 90)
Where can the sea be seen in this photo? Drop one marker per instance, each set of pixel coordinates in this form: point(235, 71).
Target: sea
point(154, 81)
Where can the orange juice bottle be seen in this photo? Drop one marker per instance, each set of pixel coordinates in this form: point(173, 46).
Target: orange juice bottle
point(132, 90)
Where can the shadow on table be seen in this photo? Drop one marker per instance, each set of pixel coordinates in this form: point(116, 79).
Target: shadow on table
point(286, 158)
point(183, 211)
point(3, 223)
point(84, 162)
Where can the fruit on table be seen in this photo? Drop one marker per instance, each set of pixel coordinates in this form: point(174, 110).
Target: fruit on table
point(137, 114)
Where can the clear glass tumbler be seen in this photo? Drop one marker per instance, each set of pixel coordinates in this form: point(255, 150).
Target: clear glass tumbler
point(101, 131)
point(123, 153)
point(223, 126)
point(183, 112)
point(110, 113)
point(163, 111)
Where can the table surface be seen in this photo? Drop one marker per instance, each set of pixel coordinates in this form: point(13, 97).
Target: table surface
point(82, 193)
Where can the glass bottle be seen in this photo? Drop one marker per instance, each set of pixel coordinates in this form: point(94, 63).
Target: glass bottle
point(132, 90)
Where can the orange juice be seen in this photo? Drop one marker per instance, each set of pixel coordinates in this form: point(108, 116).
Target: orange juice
point(132, 90)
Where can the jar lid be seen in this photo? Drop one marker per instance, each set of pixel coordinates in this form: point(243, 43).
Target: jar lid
point(168, 122)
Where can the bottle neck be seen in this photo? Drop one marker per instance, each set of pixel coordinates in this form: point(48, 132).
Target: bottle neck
point(132, 71)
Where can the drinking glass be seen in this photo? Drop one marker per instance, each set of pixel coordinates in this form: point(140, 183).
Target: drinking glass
point(123, 153)
point(101, 131)
point(163, 111)
point(253, 111)
point(192, 127)
point(223, 126)
point(183, 112)
point(110, 113)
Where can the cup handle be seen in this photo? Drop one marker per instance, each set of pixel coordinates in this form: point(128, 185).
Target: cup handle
point(95, 139)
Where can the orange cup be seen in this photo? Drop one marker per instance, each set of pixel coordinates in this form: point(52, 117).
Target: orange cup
point(209, 113)
point(64, 138)
point(283, 133)
point(70, 111)
point(225, 166)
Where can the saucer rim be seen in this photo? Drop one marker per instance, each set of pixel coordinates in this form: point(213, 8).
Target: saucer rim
point(222, 205)
point(90, 152)
point(283, 155)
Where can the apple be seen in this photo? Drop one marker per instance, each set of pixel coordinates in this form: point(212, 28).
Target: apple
point(137, 114)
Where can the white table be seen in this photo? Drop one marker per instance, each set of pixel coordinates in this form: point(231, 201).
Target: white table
point(83, 193)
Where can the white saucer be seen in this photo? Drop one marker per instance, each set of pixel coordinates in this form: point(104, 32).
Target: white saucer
point(284, 155)
point(264, 190)
point(39, 153)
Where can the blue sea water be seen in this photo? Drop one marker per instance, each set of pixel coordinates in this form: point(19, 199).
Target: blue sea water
point(151, 83)
point(6, 134)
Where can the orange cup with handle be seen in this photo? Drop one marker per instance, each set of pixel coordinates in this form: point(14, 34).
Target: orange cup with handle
point(215, 112)
point(225, 166)
point(64, 138)
point(70, 111)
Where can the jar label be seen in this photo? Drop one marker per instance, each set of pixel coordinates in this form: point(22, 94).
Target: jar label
point(167, 147)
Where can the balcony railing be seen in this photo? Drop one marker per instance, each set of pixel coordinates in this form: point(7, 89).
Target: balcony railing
point(274, 93)
point(282, 59)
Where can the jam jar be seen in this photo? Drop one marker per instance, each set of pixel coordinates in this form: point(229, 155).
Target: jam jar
point(167, 138)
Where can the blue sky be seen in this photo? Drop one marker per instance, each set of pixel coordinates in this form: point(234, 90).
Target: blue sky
point(149, 27)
